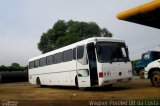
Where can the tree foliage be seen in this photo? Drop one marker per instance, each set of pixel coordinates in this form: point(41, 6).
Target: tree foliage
point(65, 33)
point(13, 67)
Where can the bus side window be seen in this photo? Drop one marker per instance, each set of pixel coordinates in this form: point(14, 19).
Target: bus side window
point(36, 63)
point(43, 61)
point(31, 64)
point(74, 53)
point(82, 55)
point(49, 60)
point(68, 55)
point(80, 52)
point(58, 58)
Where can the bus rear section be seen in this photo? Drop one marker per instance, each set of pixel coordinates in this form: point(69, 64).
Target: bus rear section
point(115, 73)
point(113, 63)
point(108, 63)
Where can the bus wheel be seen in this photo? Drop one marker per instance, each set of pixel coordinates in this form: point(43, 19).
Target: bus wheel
point(38, 82)
point(76, 81)
point(155, 78)
point(141, 73)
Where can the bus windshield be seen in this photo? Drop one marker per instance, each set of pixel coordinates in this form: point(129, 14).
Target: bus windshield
point(112, 52)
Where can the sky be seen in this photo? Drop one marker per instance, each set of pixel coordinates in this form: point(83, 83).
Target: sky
point(22, 23)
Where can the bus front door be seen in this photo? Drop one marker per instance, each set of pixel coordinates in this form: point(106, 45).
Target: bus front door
point(83, 74)
point(92, 64)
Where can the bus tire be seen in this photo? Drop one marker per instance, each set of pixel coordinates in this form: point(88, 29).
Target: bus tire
point(141, 73)
point(38, 82)
point(155, 78)
point(76, 81)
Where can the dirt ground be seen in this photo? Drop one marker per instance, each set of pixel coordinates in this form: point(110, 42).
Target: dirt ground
point(26, 94)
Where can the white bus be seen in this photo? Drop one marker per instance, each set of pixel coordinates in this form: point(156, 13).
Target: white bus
point(97, 61)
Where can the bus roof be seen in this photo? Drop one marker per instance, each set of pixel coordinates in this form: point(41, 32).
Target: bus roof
point(71, 46)
point(147, 14)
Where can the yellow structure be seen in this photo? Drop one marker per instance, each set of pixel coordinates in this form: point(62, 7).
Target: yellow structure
point(146, 14)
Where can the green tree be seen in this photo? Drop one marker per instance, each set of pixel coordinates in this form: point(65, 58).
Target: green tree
point(15, 65)
point(64, 33)
point(3, 68)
